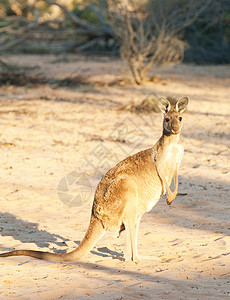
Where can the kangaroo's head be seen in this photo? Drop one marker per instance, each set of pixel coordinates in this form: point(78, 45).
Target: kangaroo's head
point(172, 110)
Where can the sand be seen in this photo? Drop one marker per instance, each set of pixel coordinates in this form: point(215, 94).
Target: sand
point(58, 138)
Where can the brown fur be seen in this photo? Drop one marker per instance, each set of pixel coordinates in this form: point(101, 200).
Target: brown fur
point(131, 188)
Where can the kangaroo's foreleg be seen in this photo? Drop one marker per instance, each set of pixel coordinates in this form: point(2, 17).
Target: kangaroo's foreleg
point(164, 183)
point(172, 196)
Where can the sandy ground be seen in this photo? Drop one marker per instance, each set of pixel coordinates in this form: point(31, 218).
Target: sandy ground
point(56, 142)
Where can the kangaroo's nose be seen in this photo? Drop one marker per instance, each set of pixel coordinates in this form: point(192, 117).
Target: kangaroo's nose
point(175, 125)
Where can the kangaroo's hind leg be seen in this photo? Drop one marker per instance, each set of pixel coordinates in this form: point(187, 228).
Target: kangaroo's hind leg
point(122, 208)
point(131, 219)
point(132, 227)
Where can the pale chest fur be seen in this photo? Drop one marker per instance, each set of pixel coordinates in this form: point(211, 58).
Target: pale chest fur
point(171, 158)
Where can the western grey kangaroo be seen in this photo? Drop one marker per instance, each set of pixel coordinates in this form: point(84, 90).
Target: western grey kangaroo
point(131, 188)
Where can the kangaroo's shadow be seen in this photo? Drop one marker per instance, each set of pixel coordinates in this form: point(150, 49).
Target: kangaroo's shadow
point(106, 252)
point(28, 232)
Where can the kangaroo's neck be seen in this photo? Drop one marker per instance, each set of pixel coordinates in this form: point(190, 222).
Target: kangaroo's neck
point(167, 139)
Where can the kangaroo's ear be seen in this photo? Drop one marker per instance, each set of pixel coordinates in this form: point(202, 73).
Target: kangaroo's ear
point(164, 105)
point(182, 104)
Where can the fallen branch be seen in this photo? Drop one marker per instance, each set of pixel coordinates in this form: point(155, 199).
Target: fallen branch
point(89, 29)
point(17, 30)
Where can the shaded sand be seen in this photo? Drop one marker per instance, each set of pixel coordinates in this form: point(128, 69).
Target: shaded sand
point(48, 132)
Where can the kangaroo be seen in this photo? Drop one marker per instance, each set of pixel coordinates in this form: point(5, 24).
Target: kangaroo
point(131, 188)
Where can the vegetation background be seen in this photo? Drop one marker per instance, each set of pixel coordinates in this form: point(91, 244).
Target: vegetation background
point(145, 33)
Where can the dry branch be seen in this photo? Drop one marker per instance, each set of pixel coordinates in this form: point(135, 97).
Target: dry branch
point(103, 30)
point(15, 30)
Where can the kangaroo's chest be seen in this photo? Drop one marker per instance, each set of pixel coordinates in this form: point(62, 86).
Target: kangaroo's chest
point(172, 157)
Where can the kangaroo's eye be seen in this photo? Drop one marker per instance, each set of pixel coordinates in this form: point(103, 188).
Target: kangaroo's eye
point(167, 119)
point(180, 118)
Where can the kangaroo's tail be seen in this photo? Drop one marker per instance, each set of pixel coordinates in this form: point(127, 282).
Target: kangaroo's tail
point(93, 234)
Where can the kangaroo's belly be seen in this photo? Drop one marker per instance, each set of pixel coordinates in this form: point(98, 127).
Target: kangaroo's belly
point(149, 192)
point(153, 199)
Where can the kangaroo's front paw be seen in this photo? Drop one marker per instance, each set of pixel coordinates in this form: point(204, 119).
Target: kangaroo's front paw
point(170, 198)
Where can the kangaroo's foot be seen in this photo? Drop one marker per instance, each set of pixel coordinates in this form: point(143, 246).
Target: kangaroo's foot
point(135, 258)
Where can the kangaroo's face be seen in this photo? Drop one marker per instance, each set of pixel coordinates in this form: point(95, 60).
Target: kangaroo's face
point(173, 118)
point(172, 122)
